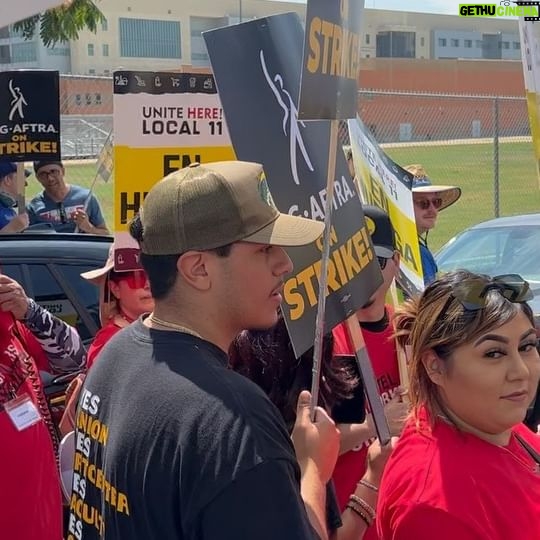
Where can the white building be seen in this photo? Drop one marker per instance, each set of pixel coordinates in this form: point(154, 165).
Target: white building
point(166, 34)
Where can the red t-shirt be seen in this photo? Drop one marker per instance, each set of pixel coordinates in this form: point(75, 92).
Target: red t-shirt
point(103, 335)
point(449, 485)
point(30, 495)
point(381, 347)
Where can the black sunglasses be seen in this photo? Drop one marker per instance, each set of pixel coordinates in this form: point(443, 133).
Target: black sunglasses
point(424, 204)
point(472, 293)
point(62, 212)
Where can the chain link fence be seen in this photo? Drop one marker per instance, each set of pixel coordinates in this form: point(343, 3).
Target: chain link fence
point(479, 143)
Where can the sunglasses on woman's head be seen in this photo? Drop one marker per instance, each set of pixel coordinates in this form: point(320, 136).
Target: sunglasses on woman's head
point(472, 293)
point(424, 204)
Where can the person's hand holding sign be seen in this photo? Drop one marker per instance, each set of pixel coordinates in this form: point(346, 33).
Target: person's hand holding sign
point(81, 219)
point(316, 443)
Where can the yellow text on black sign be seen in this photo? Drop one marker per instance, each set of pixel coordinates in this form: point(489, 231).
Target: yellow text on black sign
point(333, 49)
point(345, 263)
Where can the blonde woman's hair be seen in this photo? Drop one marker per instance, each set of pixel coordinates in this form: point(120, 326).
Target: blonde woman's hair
point(437, 321)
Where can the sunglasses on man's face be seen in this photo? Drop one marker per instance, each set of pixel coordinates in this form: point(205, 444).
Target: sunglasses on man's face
point(472, 293)
point(134, 280)
point(424, 204)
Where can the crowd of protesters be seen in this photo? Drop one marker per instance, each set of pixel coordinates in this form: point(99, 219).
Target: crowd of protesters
point(192, 414)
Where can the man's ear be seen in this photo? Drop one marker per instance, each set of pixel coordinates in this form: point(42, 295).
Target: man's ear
point(433, 365)
point(193, 271)
point(396, 257)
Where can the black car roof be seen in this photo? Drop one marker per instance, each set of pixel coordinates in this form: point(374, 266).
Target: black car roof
point(55, 245)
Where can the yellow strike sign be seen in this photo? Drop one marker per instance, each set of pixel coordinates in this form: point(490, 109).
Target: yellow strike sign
point(333, 48)
point(28, 147)
point(346, 262)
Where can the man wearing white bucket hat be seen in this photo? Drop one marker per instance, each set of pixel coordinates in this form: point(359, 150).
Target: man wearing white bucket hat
point(429, 200)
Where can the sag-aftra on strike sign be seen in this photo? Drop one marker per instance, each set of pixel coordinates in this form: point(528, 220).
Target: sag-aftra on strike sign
point(29, 115)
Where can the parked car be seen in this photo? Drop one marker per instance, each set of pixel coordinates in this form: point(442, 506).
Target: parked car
point(509, 245)
point(48, 266)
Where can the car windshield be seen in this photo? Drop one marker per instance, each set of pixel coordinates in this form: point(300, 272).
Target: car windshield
point(495, 251)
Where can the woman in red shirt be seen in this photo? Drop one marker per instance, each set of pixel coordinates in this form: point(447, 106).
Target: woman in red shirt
point(465, 466)
point(124, 296)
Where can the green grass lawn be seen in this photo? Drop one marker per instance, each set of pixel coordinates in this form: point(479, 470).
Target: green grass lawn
point(467, 166)
point(471, 168)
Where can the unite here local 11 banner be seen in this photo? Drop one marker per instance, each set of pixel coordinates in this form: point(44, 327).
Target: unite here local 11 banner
point(163, 121)
point(383, 183)
point(29, 115)
point(257, 66)
point(529, 32)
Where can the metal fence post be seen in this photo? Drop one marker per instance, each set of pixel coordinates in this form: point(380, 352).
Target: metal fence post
point(496, 194)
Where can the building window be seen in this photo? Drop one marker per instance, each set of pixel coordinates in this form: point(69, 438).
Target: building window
point(478, 43)
point(396, 45)
point(422, 42)
point(91, 71)
point(467, 43)
point(505, 44)
point(105, 49)
point(516, 45)
point(104, 25)
point(88, 97)
point(78, 100)
point(90, 49)
point(58, 51)
point(23, 52)
point(367, 39)
point(454, 42)
point(144, 38)
point(106, 72)
point(5, 56)
point(442, 42)
point(97, 99)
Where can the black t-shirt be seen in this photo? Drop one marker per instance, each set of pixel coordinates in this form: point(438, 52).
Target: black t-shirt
point(172, 445)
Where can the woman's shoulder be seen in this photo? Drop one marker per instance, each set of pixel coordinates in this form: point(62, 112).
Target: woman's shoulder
point(425, 455)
